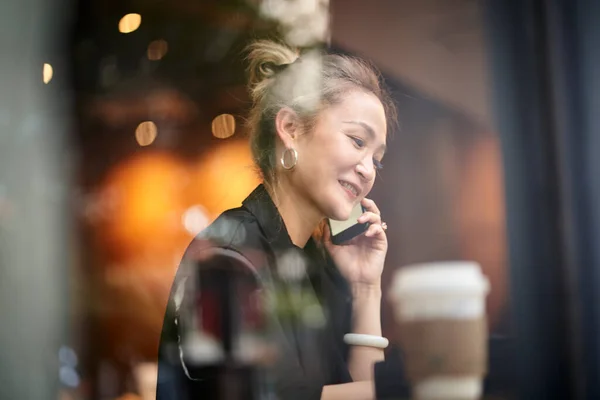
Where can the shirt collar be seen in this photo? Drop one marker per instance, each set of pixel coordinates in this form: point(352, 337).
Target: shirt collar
point(260, 204)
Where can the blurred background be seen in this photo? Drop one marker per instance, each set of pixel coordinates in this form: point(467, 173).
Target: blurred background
point(122, 136)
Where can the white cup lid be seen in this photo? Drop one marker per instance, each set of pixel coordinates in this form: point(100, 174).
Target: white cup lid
point(445, 277)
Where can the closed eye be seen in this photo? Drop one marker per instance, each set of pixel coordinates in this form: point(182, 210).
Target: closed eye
point(358, 142)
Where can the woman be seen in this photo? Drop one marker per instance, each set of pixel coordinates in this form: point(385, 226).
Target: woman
point(318, 134)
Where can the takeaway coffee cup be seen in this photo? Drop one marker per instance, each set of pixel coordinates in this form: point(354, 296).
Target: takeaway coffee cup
point(439, 309)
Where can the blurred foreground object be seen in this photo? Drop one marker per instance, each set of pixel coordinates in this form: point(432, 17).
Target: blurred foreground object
point(36, 250)
point(440, 309)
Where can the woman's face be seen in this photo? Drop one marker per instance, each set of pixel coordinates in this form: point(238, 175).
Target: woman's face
point(338, 160)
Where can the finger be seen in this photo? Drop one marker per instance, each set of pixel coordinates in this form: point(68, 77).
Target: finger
point(370, 205)
point(370, 217)
point(374, 230)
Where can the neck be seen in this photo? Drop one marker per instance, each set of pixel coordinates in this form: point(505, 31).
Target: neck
point(299, 215)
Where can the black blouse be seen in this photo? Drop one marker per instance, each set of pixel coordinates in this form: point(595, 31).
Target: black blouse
point(307, 309)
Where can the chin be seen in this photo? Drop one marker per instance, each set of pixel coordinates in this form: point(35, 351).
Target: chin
point(339, 211)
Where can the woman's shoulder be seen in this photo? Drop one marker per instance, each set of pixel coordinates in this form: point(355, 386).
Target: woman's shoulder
point(235, 230)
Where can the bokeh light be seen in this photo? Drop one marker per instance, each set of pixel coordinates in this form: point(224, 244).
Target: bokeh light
point(47, 73)
point(145, 133)
point(157, 49)
point(223, 126)
point(195, 219)
point(304, 22)
point(69, 377)
point(130, 22)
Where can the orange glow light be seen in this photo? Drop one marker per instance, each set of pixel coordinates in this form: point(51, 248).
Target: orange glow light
point(144, 206)
point(223, 178)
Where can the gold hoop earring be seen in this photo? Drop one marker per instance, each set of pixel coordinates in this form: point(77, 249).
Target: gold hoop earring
point(289, 153)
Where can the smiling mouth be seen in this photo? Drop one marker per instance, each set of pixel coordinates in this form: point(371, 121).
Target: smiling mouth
point(350, 187)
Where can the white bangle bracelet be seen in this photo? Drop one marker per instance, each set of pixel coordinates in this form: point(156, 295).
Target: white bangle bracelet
point(359, 339)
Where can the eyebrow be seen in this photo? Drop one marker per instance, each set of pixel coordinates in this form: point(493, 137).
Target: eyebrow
point(369, 130)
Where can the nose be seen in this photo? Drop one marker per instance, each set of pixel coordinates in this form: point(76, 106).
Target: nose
point(366, 169)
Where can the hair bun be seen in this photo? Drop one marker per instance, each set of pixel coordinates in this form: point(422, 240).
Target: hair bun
point(266, 58)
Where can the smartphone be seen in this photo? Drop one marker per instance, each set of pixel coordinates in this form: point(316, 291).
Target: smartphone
point(342, 231)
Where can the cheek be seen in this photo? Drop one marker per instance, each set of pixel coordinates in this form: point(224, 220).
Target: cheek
point(319, 154)
point(369, 187)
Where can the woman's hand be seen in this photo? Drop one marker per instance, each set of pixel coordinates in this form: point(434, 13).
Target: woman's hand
point(361, 259)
